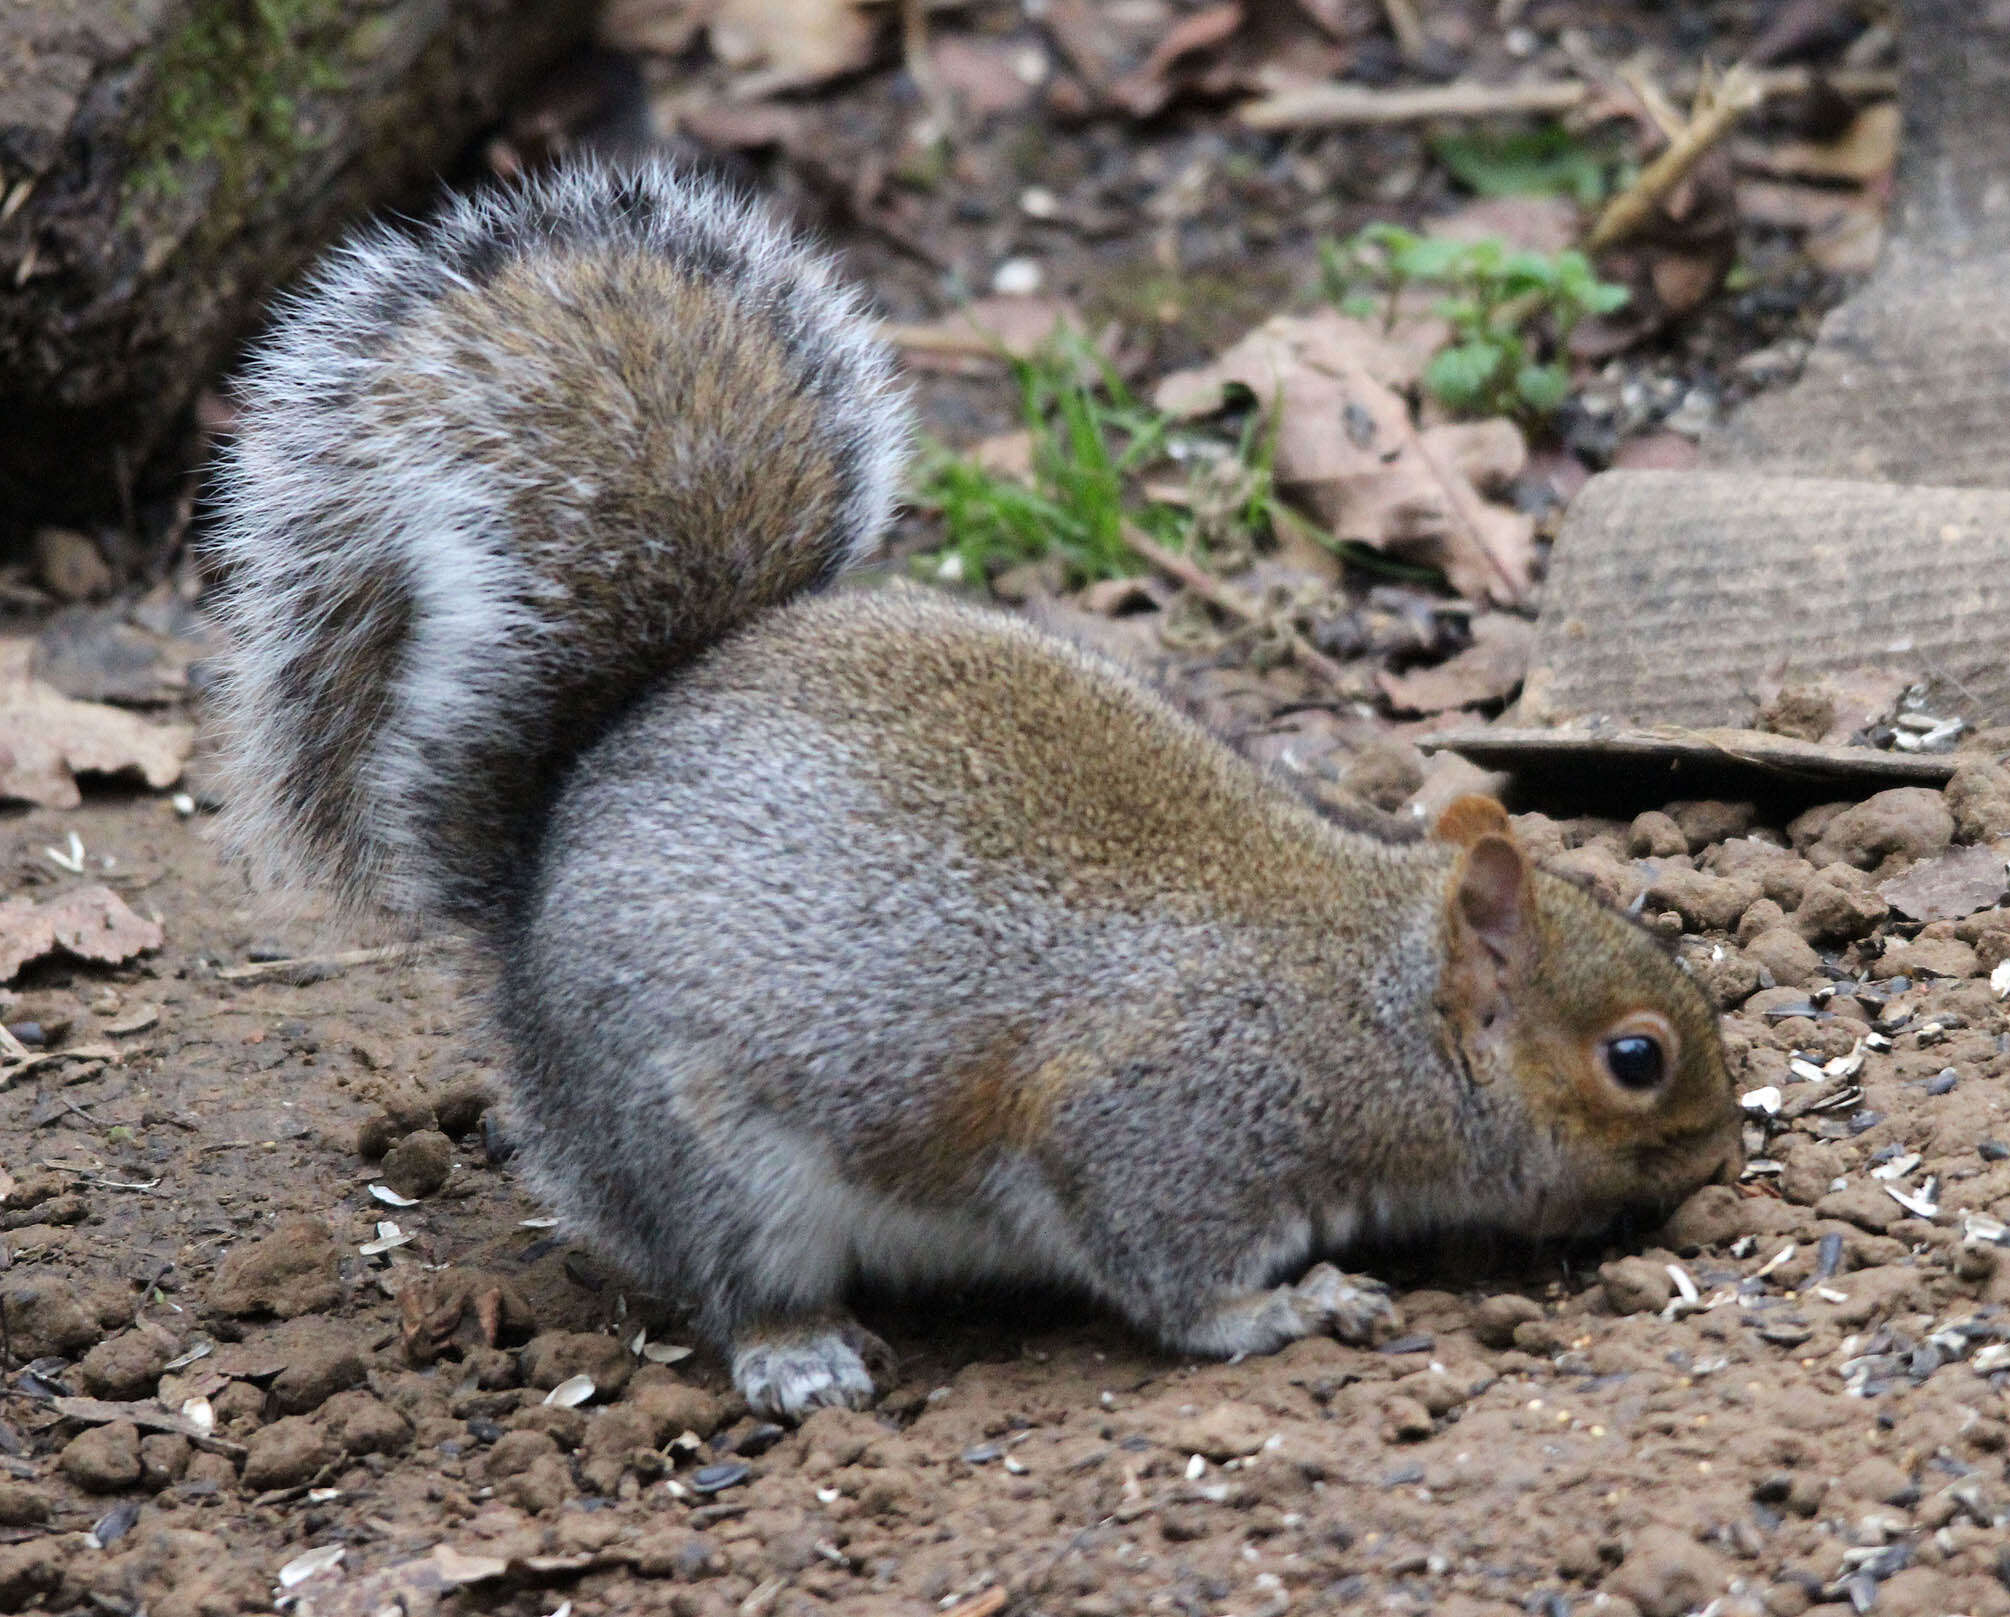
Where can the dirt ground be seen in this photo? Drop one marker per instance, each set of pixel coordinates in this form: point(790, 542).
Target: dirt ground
point(1824, 1426)
point(280, 1326)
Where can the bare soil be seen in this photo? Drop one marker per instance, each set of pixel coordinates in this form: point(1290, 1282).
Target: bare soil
point(1829, 1426)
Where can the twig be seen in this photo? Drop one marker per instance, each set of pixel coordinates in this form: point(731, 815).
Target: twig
point(921, 65)
point(1183, 570)
point(1718, 110)
point(1407, 26)
point(260, 969)
point(1318, 106)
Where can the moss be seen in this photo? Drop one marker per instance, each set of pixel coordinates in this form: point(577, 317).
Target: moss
point(225, 100)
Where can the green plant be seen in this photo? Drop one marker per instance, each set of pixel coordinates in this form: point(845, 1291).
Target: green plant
point(1545, 161)
point(1511, 312)
point(1089, 439)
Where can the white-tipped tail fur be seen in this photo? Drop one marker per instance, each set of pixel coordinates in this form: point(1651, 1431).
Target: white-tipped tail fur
point(495, 477)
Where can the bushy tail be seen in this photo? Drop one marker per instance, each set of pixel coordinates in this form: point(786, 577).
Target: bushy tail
point(494, 478)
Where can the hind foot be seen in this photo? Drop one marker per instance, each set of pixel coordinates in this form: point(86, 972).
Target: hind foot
point(788, 1368)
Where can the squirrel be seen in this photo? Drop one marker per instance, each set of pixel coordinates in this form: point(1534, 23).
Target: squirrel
point(842, 935)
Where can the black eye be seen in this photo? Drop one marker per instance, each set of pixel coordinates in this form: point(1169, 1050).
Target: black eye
point(1635, 1061)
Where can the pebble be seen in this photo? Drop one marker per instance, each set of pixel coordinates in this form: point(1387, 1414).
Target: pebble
point(1496, 1319)
point(103, 1459)
point(1636, 1285)
point(286, 1454)
point(553, 1357)
point(419, 1164)
point(47, 1318)
point(293, 1271)
point(127, 1365)
point(1667, 1573)
point(23, 1504)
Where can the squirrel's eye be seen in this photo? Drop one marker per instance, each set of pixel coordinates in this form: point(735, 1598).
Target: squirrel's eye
point(1635, 1061)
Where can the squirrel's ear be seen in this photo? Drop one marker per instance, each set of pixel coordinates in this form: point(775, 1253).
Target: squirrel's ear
point(1467, 819)
point(1493, 894)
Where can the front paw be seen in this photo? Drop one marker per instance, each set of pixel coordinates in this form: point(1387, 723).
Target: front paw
point(788, 1372)
point(1355, 1308)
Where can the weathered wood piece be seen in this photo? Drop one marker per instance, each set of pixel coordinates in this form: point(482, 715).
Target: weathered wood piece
point(163, 163)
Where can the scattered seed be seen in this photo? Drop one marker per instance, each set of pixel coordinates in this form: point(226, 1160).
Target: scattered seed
point(571, 1392)
point(1196, 1468)
point(1764, 1102)
point(314, 1562)
point(109, 1528)
point(1897, 1168)
point(388, 1236)
point(718, 1478)
point(665, 1352)
point(198, 1413)
point(183, 1360)
point(1772, 1263)
point(390, 1198)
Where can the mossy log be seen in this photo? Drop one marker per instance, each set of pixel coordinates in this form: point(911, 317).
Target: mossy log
point(164, 163)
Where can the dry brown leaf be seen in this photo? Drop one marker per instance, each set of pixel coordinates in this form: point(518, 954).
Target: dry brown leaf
point(46, 739)
point(987, 329)
point(1347, 450)
point(1151, 84)
point(1539, 224)
point(663, 26)
point(92, 923)
point(1488, 670)
point(785, 44)
point(1864, 152)
point(1957, 883)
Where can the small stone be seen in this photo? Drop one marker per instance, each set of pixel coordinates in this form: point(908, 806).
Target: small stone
point(128, 1365)
point(1786, 954)
point(23, 1504)
point(1711, 1216)
point(1228, 1431)
point(361, 1423)
point(32, 1570)
point(555, 1356)
point(321, 1362)
point(70, 566)
point(1667, 1573)
point(674, 1406)
point(1928, 957)
point(1404, 1420)
point(1862, 1203)
point(1886, 832)
point(1978, 796)
point(545, 1486)
point(1875, 1480)
point(1706, 820)
point(46, 1318)
point(1654, 835)
point(286, 1454)
point(1636, 1285)
point(104, 1459)
point(164, 1458)
point(461, 1106)
point(420, 1163)
point(1705, 902)
point(1761, 917)
point(1835, 910)
point(1496, 1319)
point(516, 1452)
point(1540, 1337)
point(293, 1271)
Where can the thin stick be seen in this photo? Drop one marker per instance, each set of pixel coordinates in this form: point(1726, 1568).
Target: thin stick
point(1718, 110)
point(1183, 570)
point(260, 969)
point(1407, 26)
point(1319, 106)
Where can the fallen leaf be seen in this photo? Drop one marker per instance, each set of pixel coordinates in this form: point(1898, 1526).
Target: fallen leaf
point(1347, 450)
point(1957, 883)
point(92, 923)
point(1488, 670)
point(1863, 152)
point(665, 26)
point(1538, 224)
point(987, 329)
point(987, 76)
point(47, 740)
point(786, 44)
point(1149, 86)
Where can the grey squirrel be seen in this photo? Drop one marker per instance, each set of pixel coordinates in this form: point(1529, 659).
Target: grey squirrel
point(862, 934)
